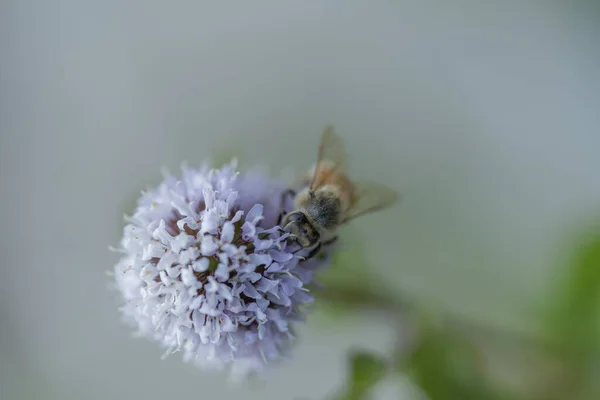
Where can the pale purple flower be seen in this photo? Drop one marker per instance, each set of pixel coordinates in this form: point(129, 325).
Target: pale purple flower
point(206, 271)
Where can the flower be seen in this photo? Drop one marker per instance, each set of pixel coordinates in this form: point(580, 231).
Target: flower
point(206, 270)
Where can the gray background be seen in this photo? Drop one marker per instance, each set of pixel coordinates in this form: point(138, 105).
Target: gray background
point(484, 114)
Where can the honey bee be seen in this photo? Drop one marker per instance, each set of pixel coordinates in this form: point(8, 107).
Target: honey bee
point(329, 198)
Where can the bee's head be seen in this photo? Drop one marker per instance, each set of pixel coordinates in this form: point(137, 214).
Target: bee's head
point(300, 229)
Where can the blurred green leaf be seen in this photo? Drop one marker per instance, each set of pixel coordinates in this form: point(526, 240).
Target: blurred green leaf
point(366, 370)
point(444, 365)
point(575, 313)
point(349, 282)
point(348, 264)
point(573, 320)
point(341, 280)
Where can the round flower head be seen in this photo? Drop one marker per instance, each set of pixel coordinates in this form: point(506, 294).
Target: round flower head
point(206, 270)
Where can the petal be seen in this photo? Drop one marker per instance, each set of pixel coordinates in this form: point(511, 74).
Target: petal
point(188, 278)
point(232, 342)
point(290, 283)
point(209, 246)
point(238, 288)
point(303, 274)
point(260, 245)
point(260, 259)
point(250, 291)
point(205, 331)
point(227, 232)
point(166, 261)
point(222, 272)
point(195, 304)
point(210, 222)
point(148, 272)
point(260, 316)
point(216, 331)
point(238, 216)
point(225, 292)
point(201, 265)
point(255, 214)
point(266, 285)
point(161, 233)
point(186, 321)
point(191, 222)
point(261, 331)
point(281, 256)
point(235, 306)
point(213, 285)
point(226, 324)
point(223, 258)
point(282, 299)
point(245, 268)
point(178, 202)
point(209, 307)
point(231, 199)
point(221, 209)
point(275, 267)
point(173, 272)
point(181, 241)
point(164, 278)
point(302, 297)
point(248, 231)
point(263, 304)
point(281, 323)
point(246, 319)
point(186, 256)
point(199, 319)
point(209, 196)
point(250, 276)
point(229, 249)
point(153, 250)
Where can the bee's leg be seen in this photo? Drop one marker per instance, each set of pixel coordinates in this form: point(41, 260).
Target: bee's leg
point(300, 248)
point(314, 251)
point(319, 247)
point(285, 194)
point(330, 241)
point(283, 198)
point(293, 240)
point(280, 218)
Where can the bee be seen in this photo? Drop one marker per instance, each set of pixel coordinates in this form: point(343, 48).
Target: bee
point(329, 198)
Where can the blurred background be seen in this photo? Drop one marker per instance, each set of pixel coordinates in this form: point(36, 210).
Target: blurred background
point(485, 115)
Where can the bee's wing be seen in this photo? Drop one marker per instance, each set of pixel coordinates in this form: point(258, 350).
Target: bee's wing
point(331, 151)
point(370, 197)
